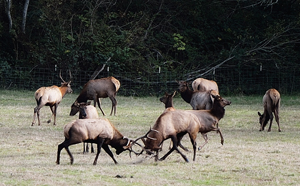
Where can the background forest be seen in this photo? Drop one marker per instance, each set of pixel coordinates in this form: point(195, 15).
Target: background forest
point(245, 45)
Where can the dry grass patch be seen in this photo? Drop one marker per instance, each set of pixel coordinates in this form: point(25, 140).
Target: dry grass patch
point(248, 157)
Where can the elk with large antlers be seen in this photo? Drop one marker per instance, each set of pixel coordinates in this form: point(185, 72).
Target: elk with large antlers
point(96, 89)
point(99, 131)
point(50, 96)
point(175, 124)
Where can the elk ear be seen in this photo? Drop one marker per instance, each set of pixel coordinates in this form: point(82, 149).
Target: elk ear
point(259, 114)
point(174, 93)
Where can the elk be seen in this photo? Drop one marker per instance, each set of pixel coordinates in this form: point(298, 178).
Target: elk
point(100, 131)
point(209, 119)
point(86, 111)
point(99, 88)
point(167, 99)
point(271, 101)
point(174, 124)
point(201, 84)
point(50, 96)
point(197, 99)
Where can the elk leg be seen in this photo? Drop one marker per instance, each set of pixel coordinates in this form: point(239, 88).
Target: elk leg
point(175, 144)
point(222, 139)
point(36, 113)
point(92, 148)
point(205, 139)
point(108, 151)
point(193, 137)
point(99, 104)
point(84, 148)
point(180, 145)
point(100, 142)
point(277, 119)
point(271, 120)
point(53, 110)
point(113, 105)
point(65, 145)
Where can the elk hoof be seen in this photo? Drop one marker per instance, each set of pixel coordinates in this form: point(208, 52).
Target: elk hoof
point(49, 121)
point(279, 130)
point(199, 148)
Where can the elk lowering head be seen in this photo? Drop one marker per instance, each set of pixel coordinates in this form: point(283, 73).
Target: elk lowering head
point(99, 131)
point(271, 102)
point(50, 96)
point(172, 125)
point(96, 89)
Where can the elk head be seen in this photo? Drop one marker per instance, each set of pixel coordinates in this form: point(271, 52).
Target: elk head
point(152, 144)
point(66, 84)
point(76, 107)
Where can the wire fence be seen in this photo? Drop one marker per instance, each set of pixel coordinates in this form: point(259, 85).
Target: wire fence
point(231, 79)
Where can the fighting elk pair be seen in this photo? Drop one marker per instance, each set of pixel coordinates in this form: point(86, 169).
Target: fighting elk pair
point(175, 124)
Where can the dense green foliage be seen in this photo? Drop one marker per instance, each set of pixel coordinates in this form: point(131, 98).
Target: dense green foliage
point(184, 37)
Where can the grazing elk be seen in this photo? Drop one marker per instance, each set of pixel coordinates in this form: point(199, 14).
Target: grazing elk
point(174, 124)
point(209, 119)
point(96, 89)
point(201, 84)
point(199, 100)
point(271, 101)
point(99, 131)
point(86, 111)
point(50, 96)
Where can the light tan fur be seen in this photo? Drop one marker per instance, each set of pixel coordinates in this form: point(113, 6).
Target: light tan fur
point(50, 96)
point(90, 129)
point(201, 84)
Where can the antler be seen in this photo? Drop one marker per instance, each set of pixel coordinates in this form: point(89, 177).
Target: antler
point(61, 77)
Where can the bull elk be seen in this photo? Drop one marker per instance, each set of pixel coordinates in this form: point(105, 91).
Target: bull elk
point(50, 96)
point(96, 89)
point(86, 111)
point(175, 124)
point(271, 101)
point(201, 84)
point(99, 131)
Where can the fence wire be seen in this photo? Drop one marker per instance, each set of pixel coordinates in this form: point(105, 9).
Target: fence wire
point(247, 80)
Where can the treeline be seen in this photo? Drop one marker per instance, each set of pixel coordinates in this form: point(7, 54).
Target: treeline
point(188, 38)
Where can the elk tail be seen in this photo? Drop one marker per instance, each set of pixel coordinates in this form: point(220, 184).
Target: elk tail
point(116, 83)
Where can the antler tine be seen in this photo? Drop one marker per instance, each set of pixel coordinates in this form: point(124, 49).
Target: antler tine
point(61, 77)
point(71, 77)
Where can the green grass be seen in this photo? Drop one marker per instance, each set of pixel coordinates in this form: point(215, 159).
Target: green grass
point(248, 157)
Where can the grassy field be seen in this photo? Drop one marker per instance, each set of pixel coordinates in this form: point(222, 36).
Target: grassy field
point(248, 157)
